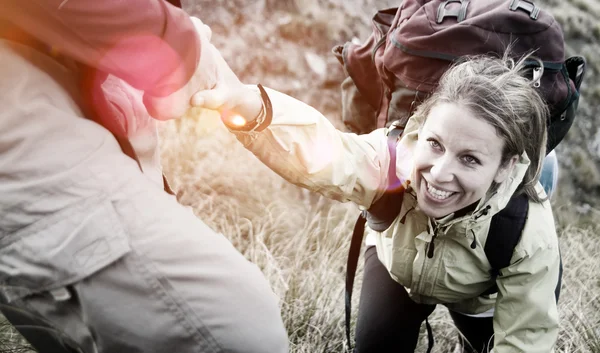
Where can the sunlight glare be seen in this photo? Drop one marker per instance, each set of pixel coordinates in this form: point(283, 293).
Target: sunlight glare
point(237, 120)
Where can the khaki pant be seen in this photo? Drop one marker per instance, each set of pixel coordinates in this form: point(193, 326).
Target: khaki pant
point(98, 248)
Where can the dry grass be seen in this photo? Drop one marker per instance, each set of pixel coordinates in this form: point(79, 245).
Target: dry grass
point(300, 240)
point(10, 340)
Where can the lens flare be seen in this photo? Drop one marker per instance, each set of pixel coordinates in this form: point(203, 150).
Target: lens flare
point(237, 120)
point(232, 119)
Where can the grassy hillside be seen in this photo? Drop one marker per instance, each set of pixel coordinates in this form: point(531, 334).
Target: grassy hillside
point(299, 239)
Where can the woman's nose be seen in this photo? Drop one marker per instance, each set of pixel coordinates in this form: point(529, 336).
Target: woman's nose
point(441, 170)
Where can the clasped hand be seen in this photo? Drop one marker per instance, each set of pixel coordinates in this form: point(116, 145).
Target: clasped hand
point(213, 86)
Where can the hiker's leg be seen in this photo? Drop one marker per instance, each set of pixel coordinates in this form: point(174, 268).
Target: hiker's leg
point(179, 286)
point(219, 292)
point(388, 320)
point(182, 288)
point(478, 331)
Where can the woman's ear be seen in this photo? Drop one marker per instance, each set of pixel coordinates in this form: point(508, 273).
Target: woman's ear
point(505, 170)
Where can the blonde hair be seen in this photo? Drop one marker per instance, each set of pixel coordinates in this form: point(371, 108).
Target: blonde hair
point(498, 91)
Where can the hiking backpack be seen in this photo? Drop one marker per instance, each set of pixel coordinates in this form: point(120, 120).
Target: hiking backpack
point(400, 64)
point(412, 46)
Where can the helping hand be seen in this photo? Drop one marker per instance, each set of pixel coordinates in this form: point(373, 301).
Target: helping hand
point(230, 96)
point(176, 104)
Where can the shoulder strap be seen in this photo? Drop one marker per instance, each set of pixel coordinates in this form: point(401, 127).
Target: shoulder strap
point(505, 232)
point(351, 265)
point(40, 333)
point(383, 212)
point(92, 99)
point(379, 217)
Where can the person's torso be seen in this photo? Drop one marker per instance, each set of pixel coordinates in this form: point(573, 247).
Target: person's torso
point(447, 264)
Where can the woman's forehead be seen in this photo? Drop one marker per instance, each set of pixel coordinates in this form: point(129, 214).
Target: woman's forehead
point(456, 126)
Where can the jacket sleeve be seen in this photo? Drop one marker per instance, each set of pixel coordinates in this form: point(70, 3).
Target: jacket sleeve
point(150, 44)
point(303, 147)
point(526, 317)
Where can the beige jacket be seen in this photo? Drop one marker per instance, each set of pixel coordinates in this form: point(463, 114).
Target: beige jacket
point(304, 148)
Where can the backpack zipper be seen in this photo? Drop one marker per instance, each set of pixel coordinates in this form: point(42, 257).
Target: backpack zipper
point(379, 44)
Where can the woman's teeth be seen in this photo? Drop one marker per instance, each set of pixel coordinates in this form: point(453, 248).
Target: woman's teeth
point(438, 194)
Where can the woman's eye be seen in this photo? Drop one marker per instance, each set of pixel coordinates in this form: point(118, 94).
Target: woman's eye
point(470, 160)
point(434, 144)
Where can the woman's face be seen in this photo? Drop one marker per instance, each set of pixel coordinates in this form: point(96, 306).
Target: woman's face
point(456, 160)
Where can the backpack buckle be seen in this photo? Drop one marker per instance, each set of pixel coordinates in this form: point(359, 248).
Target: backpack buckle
point(459, 13)
point(526, 6)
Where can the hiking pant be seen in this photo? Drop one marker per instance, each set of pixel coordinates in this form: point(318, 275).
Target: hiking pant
point(97, 248)
point(389, 321)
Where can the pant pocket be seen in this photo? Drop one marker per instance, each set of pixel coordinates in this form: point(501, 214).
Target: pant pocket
point(61, 249)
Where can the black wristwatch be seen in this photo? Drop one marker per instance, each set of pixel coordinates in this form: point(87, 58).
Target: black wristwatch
point(263, 119)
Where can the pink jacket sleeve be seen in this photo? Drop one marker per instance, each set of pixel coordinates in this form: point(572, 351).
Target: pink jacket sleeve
point(150, 44)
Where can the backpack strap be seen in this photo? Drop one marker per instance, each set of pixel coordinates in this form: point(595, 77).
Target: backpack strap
point(380, 216)
point(505, 232)
point(383, 212)
point(351, 265)
point(94, 103)
point(40, 333)
point(574, 67)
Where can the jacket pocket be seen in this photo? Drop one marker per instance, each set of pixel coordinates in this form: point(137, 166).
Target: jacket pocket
point(61, 249)
point(402, 266)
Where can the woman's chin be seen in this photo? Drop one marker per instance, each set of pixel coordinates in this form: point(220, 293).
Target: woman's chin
point(435, 208)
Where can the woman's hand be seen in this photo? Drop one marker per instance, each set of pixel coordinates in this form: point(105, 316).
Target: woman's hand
point(238, 103)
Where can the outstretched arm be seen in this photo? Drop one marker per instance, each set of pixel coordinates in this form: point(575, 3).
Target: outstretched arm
point(303, 147)
point(299, 143)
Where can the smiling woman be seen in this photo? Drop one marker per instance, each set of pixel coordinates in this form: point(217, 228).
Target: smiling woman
point(457, 159)
point(475, 143)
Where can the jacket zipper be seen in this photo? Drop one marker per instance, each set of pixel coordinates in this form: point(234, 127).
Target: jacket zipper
point(429, 250)
point(431, 245)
